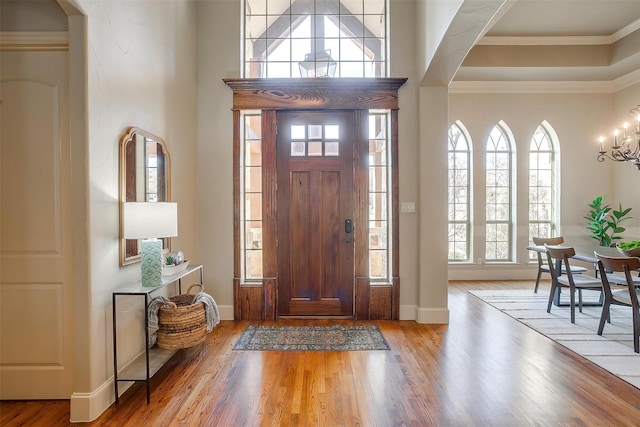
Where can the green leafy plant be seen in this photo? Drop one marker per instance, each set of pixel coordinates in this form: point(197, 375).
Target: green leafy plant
point(632, 244)
point(604, 222)
point(169, 260)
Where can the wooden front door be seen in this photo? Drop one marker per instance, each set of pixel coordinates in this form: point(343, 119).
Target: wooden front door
point(315, 195)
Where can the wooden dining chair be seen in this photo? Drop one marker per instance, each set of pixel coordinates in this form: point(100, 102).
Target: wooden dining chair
point(543, 267)
point(574, 282)
point(627, 297)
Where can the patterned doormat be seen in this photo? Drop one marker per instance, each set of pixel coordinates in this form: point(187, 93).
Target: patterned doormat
point(312, 338)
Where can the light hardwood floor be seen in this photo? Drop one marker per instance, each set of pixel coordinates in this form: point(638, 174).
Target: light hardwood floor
point(483, 369)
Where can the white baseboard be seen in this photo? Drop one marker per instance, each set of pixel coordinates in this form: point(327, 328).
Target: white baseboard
point(424, 315)
point(432, 315)
point(408, 312)
point(226, 312)
point(86, 407)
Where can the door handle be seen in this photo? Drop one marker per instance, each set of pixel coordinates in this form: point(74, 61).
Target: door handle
point(348, 226)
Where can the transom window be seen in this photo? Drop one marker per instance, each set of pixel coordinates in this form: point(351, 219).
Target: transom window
point(499, 171)
point(315, 38)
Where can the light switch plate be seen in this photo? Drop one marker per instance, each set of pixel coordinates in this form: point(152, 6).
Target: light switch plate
point(407, 207)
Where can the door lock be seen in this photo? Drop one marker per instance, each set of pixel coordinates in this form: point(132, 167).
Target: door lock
point(348, 226)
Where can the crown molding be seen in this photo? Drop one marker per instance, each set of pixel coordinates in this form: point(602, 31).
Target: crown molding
point(544, 40)
point(21, 41)
point(560, 40)
point(627, 80)
point(624, 32)
point(602, 86)
point(532, 87)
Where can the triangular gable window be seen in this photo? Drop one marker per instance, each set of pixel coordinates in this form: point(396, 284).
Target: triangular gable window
point(315, 38)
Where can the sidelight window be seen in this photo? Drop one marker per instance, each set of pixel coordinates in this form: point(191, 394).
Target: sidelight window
point(379, 198)
point(251, 210)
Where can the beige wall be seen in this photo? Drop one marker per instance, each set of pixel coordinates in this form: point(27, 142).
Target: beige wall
point(218, 58)
point(141, 71)
point(578, 120)
point(403, 64)
point(433, 18)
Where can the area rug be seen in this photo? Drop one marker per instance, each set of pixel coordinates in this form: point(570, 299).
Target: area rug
point(312, 338)
point(612, 351)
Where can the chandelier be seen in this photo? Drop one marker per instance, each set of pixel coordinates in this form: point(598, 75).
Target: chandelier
point(626, 147)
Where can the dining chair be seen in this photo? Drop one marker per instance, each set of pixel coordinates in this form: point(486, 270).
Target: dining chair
point(573, 282)
point(627, 297)
point(543, 267)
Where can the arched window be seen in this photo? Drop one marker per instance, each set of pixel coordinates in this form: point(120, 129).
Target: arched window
point(459, 194)
point(315, 38)
point(499, 195)
point(542, 184)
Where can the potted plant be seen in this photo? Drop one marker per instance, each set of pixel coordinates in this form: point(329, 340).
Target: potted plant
point(630, 248)
point(604, 222)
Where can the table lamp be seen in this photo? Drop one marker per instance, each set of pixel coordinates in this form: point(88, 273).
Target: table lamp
point(149, 221)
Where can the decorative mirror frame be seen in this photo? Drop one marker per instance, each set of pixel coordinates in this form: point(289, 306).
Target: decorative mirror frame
point(130, 137)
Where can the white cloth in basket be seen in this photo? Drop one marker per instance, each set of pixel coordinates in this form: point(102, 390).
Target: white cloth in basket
point(211, 309)
point(152, 315)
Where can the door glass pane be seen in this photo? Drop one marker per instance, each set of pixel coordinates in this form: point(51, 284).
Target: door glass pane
point(297, 148)
point(297, 132)
point(315, 148)
point(315, 131)
point(253, 179)
point(331, 149)
point(332, 131)
point(253, 206)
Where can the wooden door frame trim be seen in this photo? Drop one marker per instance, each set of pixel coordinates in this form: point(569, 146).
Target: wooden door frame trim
point(269, 96)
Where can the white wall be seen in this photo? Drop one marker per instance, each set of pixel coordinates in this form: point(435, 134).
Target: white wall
point(141, 72)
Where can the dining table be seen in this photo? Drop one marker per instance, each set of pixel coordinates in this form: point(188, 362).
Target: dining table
point(586, 253)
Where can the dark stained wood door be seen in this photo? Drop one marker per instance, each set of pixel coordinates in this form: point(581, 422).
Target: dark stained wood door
point(315, 195)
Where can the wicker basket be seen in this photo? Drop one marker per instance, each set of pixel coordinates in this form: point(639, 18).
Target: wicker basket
point(181, 324)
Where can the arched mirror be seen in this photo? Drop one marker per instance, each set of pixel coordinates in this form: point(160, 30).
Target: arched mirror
point(145, 176)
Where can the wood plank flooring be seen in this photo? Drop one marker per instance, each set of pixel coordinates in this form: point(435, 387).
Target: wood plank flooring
point(483, 369)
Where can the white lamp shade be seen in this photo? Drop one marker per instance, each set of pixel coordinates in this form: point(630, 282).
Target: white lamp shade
point(144, 220)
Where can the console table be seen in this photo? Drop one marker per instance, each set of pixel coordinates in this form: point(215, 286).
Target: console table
point(143, 367)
